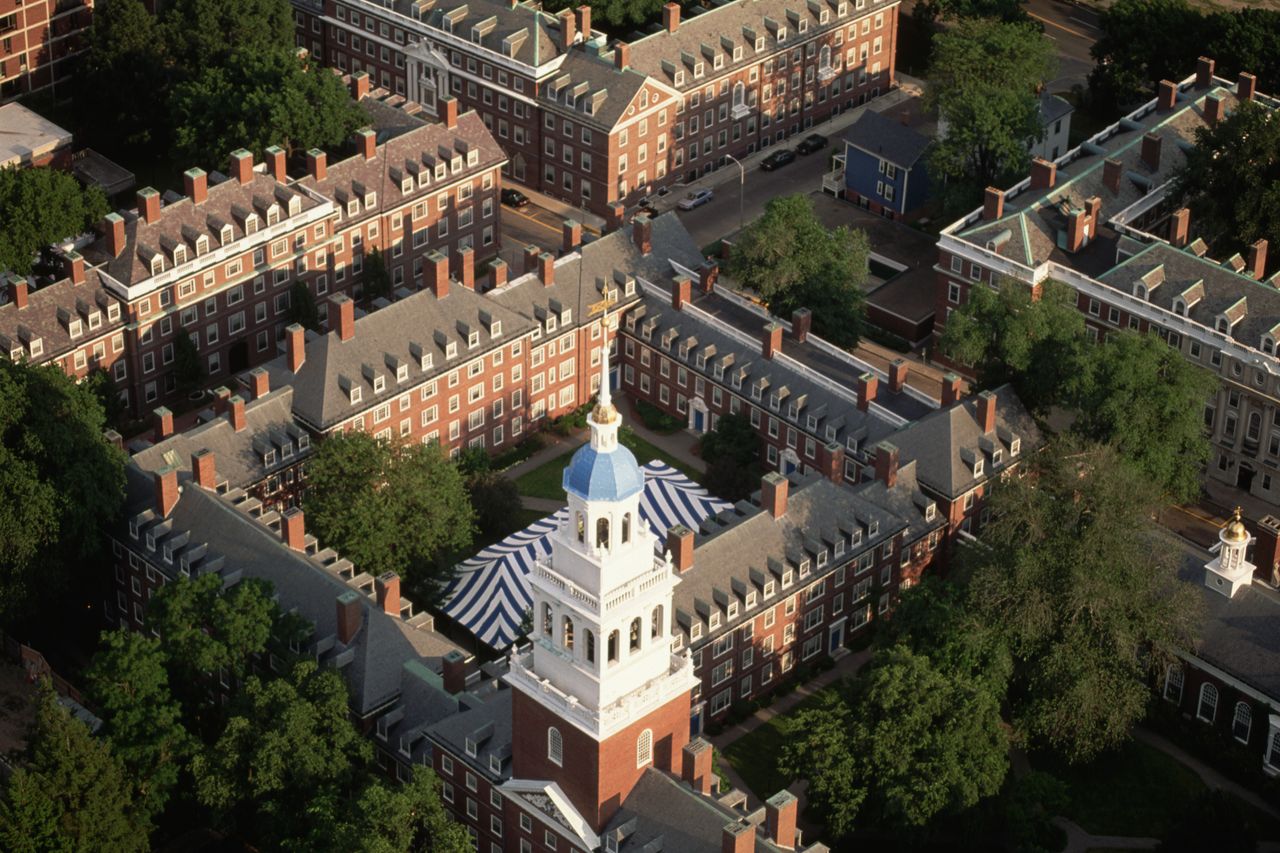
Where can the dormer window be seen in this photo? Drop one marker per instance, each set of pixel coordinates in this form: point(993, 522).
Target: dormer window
point(769, 589)
point(787, 578)
point(370, 200)
point(495, 330)
point(1180, 307)
point(353, 207)
point(286, 452)
point(751, 600)
point(202, 245)
point(273, 215)
point(179, 255)
point(551, 324)
point(113, 312)
point(473, 340)
point(733, 610)
point(95, 319)
point(1140, 291)
point(997, 456)
point(1223, 326)
point(874, 527)
point(804, 568)
point(931, 511)
point(1015, 446)
point(157, 264)
point(355, 394)
point(402, 372)
point(451, 350)
point(225, 236)
point(379, 384)
point(74, 328)
point(714, 622)
point(269, 457)
point(495, 764)
point(977, 467)
point(696, 631)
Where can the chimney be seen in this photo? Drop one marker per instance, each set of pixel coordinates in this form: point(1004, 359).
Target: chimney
point(203, 469)
point(572, 231)
point(584, 21)
point(738, 837)
point(1266, 550)
point(149, 205)
point(1257, 265)
point(642, 233)
point(898, 370)
point(1112, 170)
point(671, 17)
point(449, 111)
point(317, 164)
point(467, 267)
point(18, 292)
point(1204, 72)
point(276, 164)
point(259, 382)
point(454, 664)
point(197, 185)
point(346, 316)
point(773, 494)
point(1151, 151)
point(221, 400)
point(359, 85)
point(73, 266)
point(615, 215)
point(832, 463)
point(707, 275)
point(1043, 174)
point(235, 408)
point(680, 292)
point(772, 340)
point(1246, 86)
point(992, 204)
point(293, 529)
point(1179, 226)
point(780, 819)
point(440, 279)
point(801, 323)
point(1167, 95)
point(367, 143)
point(868, 384)
point(350, 616)
point(497, 273)
point(387, 587)
point(886, 463)
point(531, 254)
point(1215, 109)
point(163, 424)
point(296, 346)
point(1076, 230)
point(568, 29)
point(680, 546)
point(166, 480)
point(113, 230)
point(950, 389)
point(242, 166)
point(622, 56)
point(986, 412)
point(547, 269)
point(695, 766)
point(114, 439)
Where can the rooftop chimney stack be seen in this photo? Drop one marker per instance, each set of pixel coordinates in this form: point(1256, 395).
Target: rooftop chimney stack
point(73, 266)
point(204, 470)
point(196, 183)
point(886, 463)
point(707, 275)
point(868, 385)
point(387, 587)
point(680, 546)
point(440, 273)
point(1204, 72)
point(950, 389)
point(293, 529)
point(1246, 86)
point(235, 407)
point(454, 664)
point(547, 269)
point(773, 494)
point(296, 346)
point(346, 316)
point(1112, 170)
point(1044, 174)
point(1167, 95)
point(166, 482)
point(497, 273)
point(642, 233)
point(449, 111)
point(681, 291)
point(367, 143)
point(1151, 143)
point(164, 424)
point(695, 766)
point(801, 323)
point(317, 164)
point(1257, 265)
point(780, 819)
point(359, 85)
point(18, 292)
point(531, 255)
point(986, 412)
point(898, 371)
point(1180, 227)
point(276, 164)
point(467, 267)
point(259, 382)
point(149, 205)
point(242, 166)
point(113, 230)
point(571, 230)
point(568, 29)
point(622, 56)
point(671, 17)
point(771, 342)
point(350, 616)
point(584, 21)
point(738, 837)
point(992, 204)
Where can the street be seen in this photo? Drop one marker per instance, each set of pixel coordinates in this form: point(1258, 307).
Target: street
point(1073, 29)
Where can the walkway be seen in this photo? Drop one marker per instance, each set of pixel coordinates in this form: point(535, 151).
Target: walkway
point(1207, 774)
point(1080, 841)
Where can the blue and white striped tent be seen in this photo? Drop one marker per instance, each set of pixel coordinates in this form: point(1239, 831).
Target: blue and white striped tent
point(489, 595)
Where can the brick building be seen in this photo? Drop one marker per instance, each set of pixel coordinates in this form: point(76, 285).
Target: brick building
point(39, 44)
point(1099, 219)
point(218, 263)
point(601, 125)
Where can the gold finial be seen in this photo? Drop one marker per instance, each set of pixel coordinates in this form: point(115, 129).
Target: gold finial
point(1235, 530)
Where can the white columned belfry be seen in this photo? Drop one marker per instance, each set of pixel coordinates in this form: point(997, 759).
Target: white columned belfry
point(1230, 571)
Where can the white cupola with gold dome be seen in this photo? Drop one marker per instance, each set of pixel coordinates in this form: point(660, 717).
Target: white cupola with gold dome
point(1229, 571)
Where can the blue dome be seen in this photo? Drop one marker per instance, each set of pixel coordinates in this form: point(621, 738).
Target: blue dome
point(596, 476)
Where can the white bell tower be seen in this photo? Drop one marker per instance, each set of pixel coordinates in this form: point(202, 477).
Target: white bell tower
point(1229, 571)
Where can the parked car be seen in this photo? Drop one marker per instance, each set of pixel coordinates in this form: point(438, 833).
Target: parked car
point(697, 198)
point(811, 143)
point(648, 204)
point(778, 159)
point(514, 198)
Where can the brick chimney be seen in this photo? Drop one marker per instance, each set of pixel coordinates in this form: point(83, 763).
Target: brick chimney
point(73, 266)
point(1179, 227)
point(1204, 72)
point(1044, 174)
point(259, 382)
point(531, 255)
point(886, 463)
point(166, 482)
point(1215, 109)
point(367, 143)
point(235, 407)
point(615, 215)
point(695, 766)
point(467, 267)
point(1112, 170)
point(622, 56)
point(1151, 151)
point(571, 231)
point(772, 341)
point(707, 275)
point(293, 529)
point(18, 292)
point(350, 616)
point(1266, 551)
point(1167, 95)
point(113, 230)
point(439, 273)
point(346, 310)
point(992, 204)
point(680, 544)
point(296, 346)
point(950, 389)
point(221, 400)
point(1257, 263)
point(986, 412)
point(163, 424)
point(359, 85)
point(1246, 86)
point(898, 371)
point(568, 29)
point(801, 323)
point(317, 164)
point(868, 385)
point(242, 166)
point(681, 290)
point(204, 469)
point(831, 462)
point(584, 21)
point(454, 664)
point(196, 183)
point(738, 837)
point(497, 273)
point(1076, 230)
point(780, 819)
point(387, 587)
point(149, 205)
point(773, 494)
point(449, 111)
point(642, 233)
point(671, 17)
point(547, 269)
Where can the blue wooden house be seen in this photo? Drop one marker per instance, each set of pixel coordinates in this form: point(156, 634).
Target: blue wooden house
point(884, 166)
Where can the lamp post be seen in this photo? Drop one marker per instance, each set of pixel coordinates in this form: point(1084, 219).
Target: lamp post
point(742, 184)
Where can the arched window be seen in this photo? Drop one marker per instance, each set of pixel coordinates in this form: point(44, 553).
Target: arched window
point(546, 618)
point(1242, 723)
point(655, 629)
point(1173, 683)
point(824, 57)
point(1208, 706)
point(613, 647)
point(635, 634)
point(582, 528)
point(567, 638)
point(1254, 430)
point(644, 748)
point(591, 647)
point(739, 94)
point(626, 528)
point(602, 533)
point(555, 747)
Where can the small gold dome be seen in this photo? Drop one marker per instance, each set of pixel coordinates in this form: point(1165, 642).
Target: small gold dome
point(1235, 531)
point(605, 413)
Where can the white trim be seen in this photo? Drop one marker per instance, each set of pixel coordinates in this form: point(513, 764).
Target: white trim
point(513, 788)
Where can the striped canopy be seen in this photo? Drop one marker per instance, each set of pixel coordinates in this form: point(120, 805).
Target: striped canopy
point(489, 595)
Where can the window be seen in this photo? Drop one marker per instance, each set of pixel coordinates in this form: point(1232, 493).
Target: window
point(644, 748)
point(1242, 722)
point(1208, 706)
point(555, 747)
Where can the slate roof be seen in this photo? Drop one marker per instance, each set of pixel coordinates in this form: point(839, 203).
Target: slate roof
point(594, 88)
point(940, 442)
point(1053, 107)
point(519, 31)
point(49, 310)
point(888, 140)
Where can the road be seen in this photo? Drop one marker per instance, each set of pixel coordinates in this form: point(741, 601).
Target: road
point(1073, 29)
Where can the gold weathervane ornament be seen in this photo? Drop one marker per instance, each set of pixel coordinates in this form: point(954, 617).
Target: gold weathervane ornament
point(1235, 528)
point(610, 299)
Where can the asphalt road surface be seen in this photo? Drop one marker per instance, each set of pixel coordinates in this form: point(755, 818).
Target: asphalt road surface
point(1073, 29)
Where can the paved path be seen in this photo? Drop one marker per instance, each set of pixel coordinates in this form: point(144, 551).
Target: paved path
point(1079, 840)
point(1207, 774)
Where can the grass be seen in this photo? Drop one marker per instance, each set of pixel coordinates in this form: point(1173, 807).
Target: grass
point(546, 481)
point(755, 755)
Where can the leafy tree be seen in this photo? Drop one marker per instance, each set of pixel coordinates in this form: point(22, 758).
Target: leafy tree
point(104, 389)
point(1004, 10)
point(127, 55)
point(1215, 822)
point(302, 307)
point(790, 259)
point(1143, 397)
point(822, 752)
point(72, 794)
point(1143, 41)
point(202, 33)
point(60, 482)
point(188, 367)
point(495, 501)
point(377, 280)
point(616, 16)
point(984, 82)
point(388, 507)
point(1076, 580)
point(1242, 152)
point(406, 817)
point(42, 206)
point(732, 453)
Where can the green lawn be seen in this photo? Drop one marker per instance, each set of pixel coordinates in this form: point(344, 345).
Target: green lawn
point(755, 756)
point(546, 480)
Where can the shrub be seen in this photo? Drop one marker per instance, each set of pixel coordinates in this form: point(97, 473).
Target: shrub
point(656, 419)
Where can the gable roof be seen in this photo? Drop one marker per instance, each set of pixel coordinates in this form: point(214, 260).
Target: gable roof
point(887, 139)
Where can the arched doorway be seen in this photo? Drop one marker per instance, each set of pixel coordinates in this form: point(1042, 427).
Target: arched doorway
point(699, 420)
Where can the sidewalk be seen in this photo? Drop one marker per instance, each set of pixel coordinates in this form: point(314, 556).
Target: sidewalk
point(1207, 774)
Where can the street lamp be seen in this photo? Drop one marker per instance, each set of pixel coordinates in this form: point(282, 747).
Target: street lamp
point(742, 184)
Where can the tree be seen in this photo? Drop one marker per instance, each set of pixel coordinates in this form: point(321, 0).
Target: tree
point(1081, 587)
point(377, 281)
point(792, 261)
point(188, 367)
point(1215, 822)
point(202, 33)
point(732, 453)
point(42, 206)
point(1004, 10)
point(495, 501)
point(72, 794)
point(1242, 152)
point(129, 686)
point(127, 55)
point(821, 752)
point(616, 16)
point(1143, 41)
point(1141, 396)
point(302, 307)
point(60, 482)
point(388, 507)
point(398, 819)
point(984, 83)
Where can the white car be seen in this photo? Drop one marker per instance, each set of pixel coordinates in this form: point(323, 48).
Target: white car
point(694, 199)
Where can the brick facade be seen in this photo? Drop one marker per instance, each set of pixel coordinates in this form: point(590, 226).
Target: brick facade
point(39, 44)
